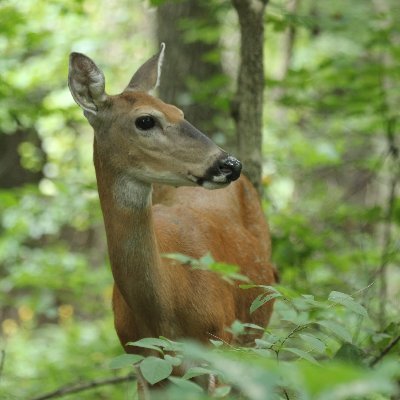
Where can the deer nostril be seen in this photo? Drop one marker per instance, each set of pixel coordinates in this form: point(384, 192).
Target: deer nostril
point(230, 167)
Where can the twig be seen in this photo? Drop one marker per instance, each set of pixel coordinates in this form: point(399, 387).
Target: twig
point(66, 390)
point(385, 351)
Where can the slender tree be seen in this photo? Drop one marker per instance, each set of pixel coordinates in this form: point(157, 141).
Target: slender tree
point(248, 102)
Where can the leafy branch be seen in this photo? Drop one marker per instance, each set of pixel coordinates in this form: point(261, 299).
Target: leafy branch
point(385, 351)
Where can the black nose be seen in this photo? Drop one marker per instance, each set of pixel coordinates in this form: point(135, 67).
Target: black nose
point(230, 167)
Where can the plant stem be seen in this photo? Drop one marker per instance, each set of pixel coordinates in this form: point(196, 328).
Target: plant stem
point(2, 358)
point(385, 351)
point(75, 388)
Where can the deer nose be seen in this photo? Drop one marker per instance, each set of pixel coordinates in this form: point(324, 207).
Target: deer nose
point(230, 167)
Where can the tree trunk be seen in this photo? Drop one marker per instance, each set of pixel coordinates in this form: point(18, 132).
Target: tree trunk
point(188, 77)
point(247, 106)
point(12, 173)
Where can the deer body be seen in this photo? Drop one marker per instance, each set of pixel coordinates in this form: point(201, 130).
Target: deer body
point(141, 142)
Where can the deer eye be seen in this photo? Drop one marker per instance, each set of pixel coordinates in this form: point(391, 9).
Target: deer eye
point(145, 123)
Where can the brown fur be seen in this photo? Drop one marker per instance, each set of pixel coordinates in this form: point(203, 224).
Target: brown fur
point(230, 224)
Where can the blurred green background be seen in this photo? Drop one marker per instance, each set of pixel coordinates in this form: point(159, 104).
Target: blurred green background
point(330, 176)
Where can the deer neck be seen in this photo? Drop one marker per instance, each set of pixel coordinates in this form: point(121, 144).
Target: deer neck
point(132, 244)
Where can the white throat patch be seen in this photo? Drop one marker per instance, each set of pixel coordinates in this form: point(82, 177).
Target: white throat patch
point(131, 193)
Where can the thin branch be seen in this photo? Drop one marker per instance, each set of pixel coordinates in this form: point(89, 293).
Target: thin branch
point(385, 351)
point(288, 41)
point(286, 394)
point(75, 388)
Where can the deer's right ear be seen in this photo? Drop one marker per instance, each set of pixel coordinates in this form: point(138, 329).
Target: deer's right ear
point(86, 82)
point(147, 77)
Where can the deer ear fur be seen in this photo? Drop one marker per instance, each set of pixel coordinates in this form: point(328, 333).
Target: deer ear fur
point(147, 77)
point(86, 82)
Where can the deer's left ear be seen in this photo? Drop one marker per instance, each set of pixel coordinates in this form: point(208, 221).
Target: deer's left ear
point(147, 77)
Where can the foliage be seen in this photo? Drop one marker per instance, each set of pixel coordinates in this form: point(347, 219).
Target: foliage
point(311, 350)
point(331, 195)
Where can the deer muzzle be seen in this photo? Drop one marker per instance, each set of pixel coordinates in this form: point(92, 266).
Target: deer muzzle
point(224, 171)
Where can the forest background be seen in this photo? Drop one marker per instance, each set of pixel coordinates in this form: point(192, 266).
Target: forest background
point(330, 190)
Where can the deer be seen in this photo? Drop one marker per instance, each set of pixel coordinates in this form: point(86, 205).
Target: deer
point(155, 175)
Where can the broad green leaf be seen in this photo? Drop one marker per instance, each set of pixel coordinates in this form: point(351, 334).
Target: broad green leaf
point(263, 352)
point(170, 345)
point(149, 343)
point(174, 361)
point(221, 391)
point(339, 330)
point(197, 371)
point(253, 326)
point(265, 343)
point(314, 343)
point(187, 386)
point(301, 354)
point(350, 353)
point(348, 302)
point(125, 360)
point(155, 369)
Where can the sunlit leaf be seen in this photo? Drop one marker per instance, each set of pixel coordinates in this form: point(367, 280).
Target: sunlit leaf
point(348, 302)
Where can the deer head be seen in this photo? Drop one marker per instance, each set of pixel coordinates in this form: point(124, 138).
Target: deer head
point(141, 137)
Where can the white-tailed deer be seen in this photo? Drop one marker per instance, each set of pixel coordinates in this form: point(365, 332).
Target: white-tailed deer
point(140, 141)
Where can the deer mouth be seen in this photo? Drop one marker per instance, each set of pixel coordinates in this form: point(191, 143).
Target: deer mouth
point(212, 184)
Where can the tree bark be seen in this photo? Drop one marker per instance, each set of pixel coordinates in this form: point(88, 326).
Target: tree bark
point(12, 173)
point(247, 105)
point(187, 72)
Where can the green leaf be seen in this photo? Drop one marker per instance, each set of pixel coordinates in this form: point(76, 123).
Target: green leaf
point(348, 302)
point(125, 360)
point(174, 361)
point(155, 369)
point(182, 258)
point(261, 299)
point(207, 260)
point(216, 343)
point(314, 343)
point(251, 286)
point(197, 371)
point(156, 3)
point(187, 386)
point(301, 354)
point(350, 353)
point(221, 391)
point(149, 343)
point(253, 326)
point(340, 331)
